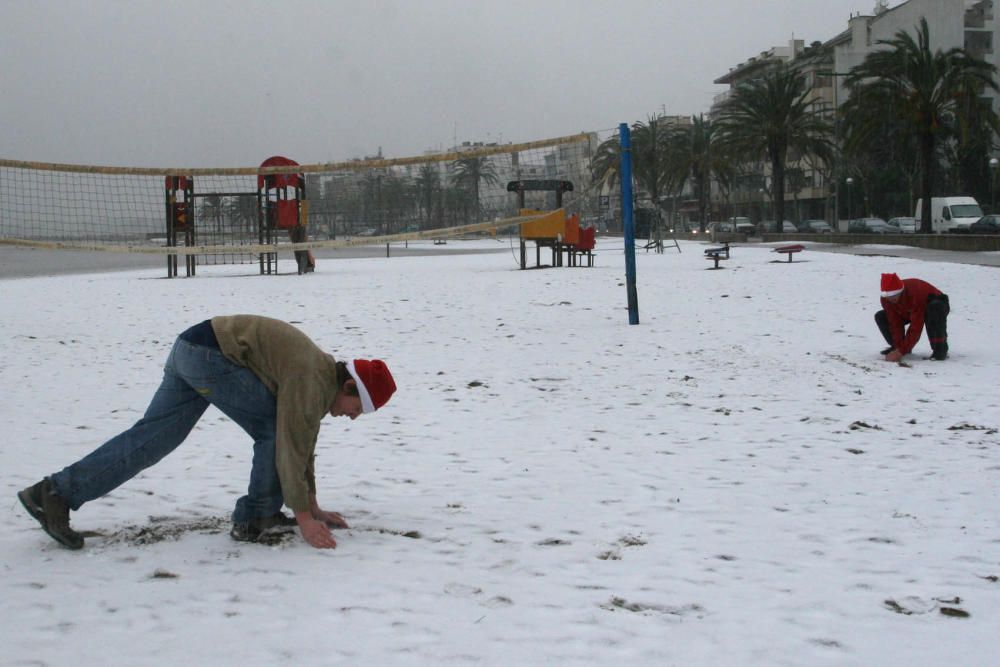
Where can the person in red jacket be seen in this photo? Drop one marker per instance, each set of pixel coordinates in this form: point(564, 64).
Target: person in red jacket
point(907, 306)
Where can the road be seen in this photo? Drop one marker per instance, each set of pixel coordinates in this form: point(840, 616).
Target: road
point(910, 252)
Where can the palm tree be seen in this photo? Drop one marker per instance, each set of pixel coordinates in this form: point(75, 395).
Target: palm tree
point(605, 165)
point(651, 160)
point(454, 205)
point(396, 198)
point(925, 91)
point(976, 137)
point(211, 211)
point(242, 211)
point(650, 163)
point(885, 162)
point(695, 154)
point(428, 182)
point(769, 117)
point(467, 172)
point(371, 196)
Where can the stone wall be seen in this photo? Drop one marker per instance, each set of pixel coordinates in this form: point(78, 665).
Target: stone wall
point(961, 242)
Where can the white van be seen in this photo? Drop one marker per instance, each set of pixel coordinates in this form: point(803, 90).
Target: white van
point(950, 213)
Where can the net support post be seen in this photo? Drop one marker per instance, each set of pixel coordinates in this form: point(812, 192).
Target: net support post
point(628, 223)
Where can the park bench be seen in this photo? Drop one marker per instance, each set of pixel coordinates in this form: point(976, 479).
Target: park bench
point(717, 254)
point(789, 250)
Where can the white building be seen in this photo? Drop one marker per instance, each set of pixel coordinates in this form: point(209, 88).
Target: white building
point(963, 24)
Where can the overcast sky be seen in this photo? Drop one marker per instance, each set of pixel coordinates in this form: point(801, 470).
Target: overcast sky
point(229, 83)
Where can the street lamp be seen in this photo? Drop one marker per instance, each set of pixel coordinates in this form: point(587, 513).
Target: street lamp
point(850, 182)
point(993, 182)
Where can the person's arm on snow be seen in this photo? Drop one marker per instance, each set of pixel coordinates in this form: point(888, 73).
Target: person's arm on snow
point(913, 333)
point(314, 531)
point(331, 519)
point(897, 329)
point(299, 414)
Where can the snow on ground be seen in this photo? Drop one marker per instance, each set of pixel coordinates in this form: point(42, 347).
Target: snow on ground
point(737, 480)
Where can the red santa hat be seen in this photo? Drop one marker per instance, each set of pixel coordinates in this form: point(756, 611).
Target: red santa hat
point(375, 383)
point(891, 284)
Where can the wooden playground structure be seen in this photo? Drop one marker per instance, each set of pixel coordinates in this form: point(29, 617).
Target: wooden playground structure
point(560, 233)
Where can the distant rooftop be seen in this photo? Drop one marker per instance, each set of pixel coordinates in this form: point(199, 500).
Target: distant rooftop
point(764, 59)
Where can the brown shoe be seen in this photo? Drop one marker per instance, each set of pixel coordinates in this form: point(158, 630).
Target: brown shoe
point(52, 512)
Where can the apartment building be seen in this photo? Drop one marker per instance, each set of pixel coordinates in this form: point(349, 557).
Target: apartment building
point(968, 24)
point(806, 189)
point(964, 24)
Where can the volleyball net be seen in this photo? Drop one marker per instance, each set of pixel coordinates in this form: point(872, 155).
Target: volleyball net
point(239, 213)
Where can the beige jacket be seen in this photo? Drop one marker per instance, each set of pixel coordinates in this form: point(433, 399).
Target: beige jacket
point(303, 380)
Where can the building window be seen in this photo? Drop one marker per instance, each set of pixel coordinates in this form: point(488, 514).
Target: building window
point(977, 15)
point(978, 43)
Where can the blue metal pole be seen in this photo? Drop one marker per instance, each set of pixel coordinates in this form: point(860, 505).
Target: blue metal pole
point(625, 139)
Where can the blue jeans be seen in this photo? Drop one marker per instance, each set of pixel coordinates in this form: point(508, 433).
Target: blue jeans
point(194, 377)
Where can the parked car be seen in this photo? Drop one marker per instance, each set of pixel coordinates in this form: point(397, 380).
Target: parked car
point(816, 227)
point(739, 225)
point(870, 226)
point(988, 224)
point(771, 226)
point(905, 225)
point(742, 225)
point(719, 227)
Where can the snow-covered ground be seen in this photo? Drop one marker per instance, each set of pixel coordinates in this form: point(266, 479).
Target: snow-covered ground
point(737, 480)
